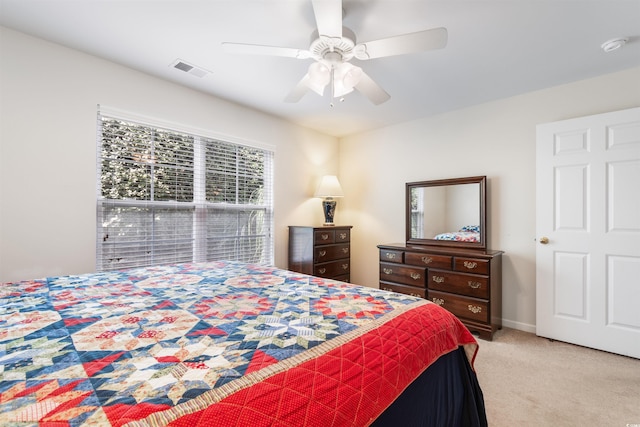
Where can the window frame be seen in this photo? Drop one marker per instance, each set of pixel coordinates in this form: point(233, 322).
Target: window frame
point(201, 237)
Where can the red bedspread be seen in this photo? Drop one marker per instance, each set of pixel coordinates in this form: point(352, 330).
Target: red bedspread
point(348, 386)
point(343, 355)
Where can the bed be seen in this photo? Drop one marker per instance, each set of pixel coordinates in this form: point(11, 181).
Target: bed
point(468, 233)
point(229, 344)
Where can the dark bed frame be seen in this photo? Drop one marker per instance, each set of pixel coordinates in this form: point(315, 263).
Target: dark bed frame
point(446, 394)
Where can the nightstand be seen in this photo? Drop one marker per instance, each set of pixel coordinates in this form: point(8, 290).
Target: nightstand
point(321, 251)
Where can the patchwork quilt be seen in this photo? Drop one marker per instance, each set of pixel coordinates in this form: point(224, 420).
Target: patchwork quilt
point(219, 343)
point(468, 233)
point(459, 236)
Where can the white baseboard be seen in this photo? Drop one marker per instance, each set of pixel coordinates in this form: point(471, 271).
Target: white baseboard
point(526, 327)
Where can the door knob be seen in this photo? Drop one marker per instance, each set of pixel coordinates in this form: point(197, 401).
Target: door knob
point(544, 240)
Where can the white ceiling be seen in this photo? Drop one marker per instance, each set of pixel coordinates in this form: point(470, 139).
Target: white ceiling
point(496, 48)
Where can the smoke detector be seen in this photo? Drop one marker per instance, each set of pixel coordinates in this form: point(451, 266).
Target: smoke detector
point(613, 44)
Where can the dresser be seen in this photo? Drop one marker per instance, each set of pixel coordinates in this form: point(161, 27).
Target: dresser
point(321, 251)
point(467, 282)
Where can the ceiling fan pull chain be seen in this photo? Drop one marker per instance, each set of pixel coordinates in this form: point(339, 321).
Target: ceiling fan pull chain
point(332, 83)
point(333, 86)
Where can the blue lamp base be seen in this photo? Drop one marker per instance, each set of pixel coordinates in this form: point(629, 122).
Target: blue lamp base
point(329, 209)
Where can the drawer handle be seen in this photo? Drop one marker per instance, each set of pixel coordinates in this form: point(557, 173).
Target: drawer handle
point(322, 270)
point(475, 309)
point(387, 270)
point(387, 289)
point(323, 253)
point(416, 276)
point(390, 255)
point(427, 260)
point(345, 250)
point(415, 295)
point(324, 236)
point(438, 301)
point(474, 285)
point(345, 266)
point(470, 265)
point(438, 279)
point(343, 236)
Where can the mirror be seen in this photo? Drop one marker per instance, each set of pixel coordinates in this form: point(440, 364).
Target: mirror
point(447, 212)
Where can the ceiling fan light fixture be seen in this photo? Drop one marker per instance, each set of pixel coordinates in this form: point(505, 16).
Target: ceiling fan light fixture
point(319, 73)
point(352, 76)
point(319, 77)
point(345, 77)
point(340, 90)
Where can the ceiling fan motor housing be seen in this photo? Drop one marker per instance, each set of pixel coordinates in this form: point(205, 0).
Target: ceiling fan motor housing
point(325, 47)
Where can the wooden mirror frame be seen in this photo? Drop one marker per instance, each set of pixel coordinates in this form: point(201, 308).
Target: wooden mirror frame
point(481, 181)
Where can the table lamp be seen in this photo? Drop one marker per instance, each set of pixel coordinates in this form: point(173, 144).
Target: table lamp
point(329, 189)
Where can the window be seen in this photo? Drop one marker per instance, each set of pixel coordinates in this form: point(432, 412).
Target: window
point(167, 196)
point(417, 213)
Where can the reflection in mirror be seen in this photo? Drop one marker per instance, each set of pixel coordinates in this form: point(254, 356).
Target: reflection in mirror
point(449, 212)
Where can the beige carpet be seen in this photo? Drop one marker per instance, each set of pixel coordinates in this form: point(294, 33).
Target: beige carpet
point(532, 381)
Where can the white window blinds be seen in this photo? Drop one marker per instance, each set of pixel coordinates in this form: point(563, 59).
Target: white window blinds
point(167, 196)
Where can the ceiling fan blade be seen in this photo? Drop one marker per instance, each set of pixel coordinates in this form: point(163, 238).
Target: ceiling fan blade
point(420, 41)
point(371, 90)
point(255, 49)
point(299, 91)
point(328, 17)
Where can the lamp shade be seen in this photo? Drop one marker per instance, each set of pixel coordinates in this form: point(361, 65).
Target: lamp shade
point(329, 187)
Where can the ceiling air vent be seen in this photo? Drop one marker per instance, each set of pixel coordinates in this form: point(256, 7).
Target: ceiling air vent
point(189, 68)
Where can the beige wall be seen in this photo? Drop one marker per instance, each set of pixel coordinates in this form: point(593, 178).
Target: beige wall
point(496, 139)
point(48, 100)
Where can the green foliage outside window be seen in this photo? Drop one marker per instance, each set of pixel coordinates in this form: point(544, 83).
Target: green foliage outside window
point(216, 192)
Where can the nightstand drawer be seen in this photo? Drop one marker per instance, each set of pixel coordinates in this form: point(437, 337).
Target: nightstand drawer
point(428, 260)
point(330, 253)
point(466, 284)
point(387, 255)
point(464, 307)
point(323, 237)
point(414, 291)
point(471, 265)
point(342, 235)
point(332, 269)
point(414, 276)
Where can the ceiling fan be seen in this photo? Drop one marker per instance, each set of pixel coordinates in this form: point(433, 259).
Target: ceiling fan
point(333, 46)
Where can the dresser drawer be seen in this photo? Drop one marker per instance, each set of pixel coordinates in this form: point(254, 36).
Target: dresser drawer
point(323, 237)
point(404, 289)
point(331, 252)
point(463, 307)
point(428, 260)
point(471, 265)
point(387, 255)
point(342, 235)
point(332, 269)
point(414, 276)
point(460, 283)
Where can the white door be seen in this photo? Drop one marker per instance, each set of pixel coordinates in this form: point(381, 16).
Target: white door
point(588, 231)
